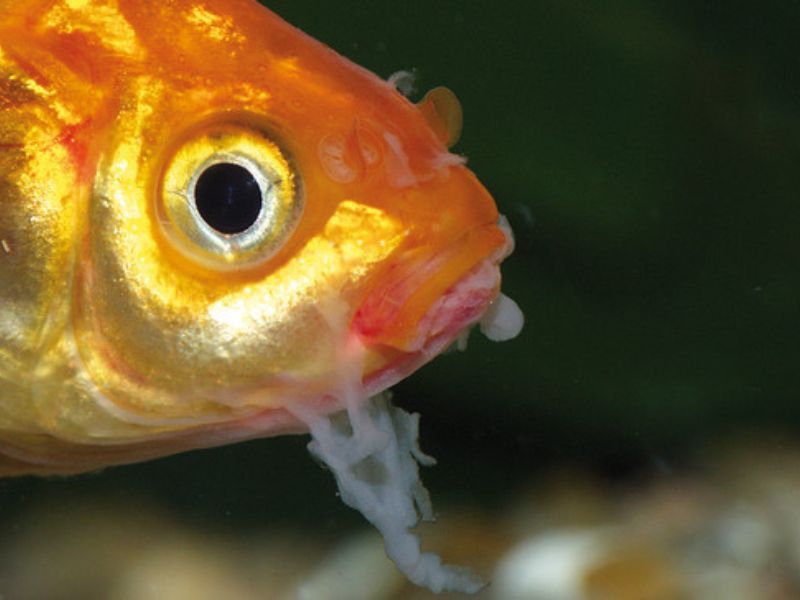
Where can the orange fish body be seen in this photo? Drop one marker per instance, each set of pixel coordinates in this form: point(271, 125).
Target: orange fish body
point(210, 225)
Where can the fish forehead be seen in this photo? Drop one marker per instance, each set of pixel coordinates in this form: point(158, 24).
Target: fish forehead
point(227, 55)
point(225, 39)
point(158, 34)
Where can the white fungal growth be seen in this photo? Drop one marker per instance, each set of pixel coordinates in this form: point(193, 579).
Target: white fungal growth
point(373, 452)
point(505, 227)
point(503, 320)
point(462, 341)
point(404, 82)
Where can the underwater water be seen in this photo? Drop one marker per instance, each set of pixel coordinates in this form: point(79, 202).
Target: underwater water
point(639, 439)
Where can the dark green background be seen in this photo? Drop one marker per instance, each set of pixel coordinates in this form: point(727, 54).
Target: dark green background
point(646, 154)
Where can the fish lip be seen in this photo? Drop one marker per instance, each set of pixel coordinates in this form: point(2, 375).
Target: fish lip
point(458, 309)
point(393, 310)
point(465, 302)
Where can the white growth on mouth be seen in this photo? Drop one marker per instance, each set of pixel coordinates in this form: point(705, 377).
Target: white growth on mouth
point(373, 451)
point(503, 320)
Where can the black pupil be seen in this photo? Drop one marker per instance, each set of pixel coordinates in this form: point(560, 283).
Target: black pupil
point(228, 198)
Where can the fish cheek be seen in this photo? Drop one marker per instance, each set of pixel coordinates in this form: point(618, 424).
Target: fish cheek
point(185, 349)
point(159, 340)
point(39, 219)
point(155, 337)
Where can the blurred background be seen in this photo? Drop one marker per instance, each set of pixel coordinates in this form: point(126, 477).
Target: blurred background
point(639, 439)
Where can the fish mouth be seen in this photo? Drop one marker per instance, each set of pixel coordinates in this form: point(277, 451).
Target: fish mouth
point(456, 307)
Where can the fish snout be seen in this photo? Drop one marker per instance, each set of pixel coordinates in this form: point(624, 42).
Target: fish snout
point(443, 282)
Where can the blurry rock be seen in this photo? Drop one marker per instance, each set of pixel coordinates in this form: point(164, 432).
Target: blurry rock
point(567, 498)
point(728, 529)
point(185, 567)
point(633, 573)
point(123, 549)
point(476, 540)
point(669, 510)
point(356, 569)
point(275, 563)
point(549, 566)
point(76, 548)
point(763, 472)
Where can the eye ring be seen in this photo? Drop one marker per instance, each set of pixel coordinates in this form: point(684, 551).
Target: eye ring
point(225, 229)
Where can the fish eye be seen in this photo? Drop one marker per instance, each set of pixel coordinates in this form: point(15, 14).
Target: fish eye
point(229, 197)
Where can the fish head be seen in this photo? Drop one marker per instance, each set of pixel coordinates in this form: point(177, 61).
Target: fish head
point(257, 208)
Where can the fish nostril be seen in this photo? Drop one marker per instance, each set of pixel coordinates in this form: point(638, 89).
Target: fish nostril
point(228, 197)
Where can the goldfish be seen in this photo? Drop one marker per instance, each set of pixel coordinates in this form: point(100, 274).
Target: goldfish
point(214, 228)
